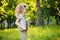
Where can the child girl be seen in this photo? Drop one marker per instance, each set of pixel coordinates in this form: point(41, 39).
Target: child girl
point(21, 20)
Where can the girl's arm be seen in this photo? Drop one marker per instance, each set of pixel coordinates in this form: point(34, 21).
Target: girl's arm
point(17, 23)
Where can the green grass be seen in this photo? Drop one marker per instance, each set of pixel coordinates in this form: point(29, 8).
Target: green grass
point(34, 33)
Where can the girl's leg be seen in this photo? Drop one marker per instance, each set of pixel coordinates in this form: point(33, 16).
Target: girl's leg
point(23, 35)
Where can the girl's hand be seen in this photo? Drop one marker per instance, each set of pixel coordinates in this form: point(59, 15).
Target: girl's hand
point(24, 28)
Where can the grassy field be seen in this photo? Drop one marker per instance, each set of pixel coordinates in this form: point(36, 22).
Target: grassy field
point(34, 33)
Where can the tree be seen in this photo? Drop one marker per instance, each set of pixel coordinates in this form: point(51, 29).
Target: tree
point(3, 14)
point(40, 18)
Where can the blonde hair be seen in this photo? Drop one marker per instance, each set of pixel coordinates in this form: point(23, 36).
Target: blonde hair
point(18, 9)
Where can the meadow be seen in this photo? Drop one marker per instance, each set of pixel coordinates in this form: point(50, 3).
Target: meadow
point(34, 33)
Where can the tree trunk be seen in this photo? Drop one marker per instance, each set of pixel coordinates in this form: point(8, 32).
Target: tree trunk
point(7, 23)
point(14, 23)
point(48, 20)
point(10, 22)
point(57, 21)
point(1, 24)
point(40, 20)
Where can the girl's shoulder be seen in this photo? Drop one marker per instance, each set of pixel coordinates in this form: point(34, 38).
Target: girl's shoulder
point(22, 15)
point(19, 16)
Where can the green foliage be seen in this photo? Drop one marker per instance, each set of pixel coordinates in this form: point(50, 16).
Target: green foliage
point(52, 6)
point(8, 8)
point(34, 33)
point(3, 4)
point(48, 8)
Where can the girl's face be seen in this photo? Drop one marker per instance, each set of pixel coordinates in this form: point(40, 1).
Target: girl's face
point(23, 8)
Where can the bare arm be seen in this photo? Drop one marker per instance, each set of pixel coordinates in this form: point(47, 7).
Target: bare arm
point(17, 23)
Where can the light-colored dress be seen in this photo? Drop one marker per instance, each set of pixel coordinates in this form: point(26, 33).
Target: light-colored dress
point(22, 21)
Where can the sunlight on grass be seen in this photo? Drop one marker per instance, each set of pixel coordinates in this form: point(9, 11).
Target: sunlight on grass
point(34, 33)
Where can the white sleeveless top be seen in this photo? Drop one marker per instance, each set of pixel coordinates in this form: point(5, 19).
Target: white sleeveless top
point(22, 21)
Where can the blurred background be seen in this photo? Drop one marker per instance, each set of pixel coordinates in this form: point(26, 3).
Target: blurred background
point(43, 17)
